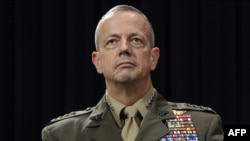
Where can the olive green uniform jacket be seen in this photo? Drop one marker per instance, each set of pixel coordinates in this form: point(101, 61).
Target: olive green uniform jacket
point(98, 124)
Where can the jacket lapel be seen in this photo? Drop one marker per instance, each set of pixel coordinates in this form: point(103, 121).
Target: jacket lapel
point(102, 126)
point(154, 126)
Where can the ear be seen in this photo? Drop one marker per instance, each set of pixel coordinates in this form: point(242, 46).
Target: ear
point(155, 55)
point(96, 61)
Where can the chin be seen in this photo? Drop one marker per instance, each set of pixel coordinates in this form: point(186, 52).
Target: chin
point(125, 79)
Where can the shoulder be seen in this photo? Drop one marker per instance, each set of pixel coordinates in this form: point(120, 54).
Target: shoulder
point(199, 114)
point(203, 120)
point(72, 114)
point(190, 107)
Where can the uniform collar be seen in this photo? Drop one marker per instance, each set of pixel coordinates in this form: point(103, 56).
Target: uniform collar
point(142, 105)
point(115, 107)
point(158, 112)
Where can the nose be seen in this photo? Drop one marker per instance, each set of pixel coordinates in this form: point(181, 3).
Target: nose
point(125, 49)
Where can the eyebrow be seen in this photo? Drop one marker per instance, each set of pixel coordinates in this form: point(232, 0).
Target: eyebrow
point(130, 35)
point(136, 34)
point(117, 35)
point(113, 35)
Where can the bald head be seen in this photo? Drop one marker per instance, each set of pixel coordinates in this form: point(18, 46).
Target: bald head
point(123, 8)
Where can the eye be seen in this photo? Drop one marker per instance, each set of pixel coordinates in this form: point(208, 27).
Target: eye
point(111, 42)
point(136, 40)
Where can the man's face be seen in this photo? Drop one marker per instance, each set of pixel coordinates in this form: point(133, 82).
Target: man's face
point(125, 53)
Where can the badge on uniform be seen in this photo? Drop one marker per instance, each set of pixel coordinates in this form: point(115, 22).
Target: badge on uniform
point(181, 128)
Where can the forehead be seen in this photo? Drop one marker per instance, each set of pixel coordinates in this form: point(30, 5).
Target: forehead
point(128, 14)
point(124, 19)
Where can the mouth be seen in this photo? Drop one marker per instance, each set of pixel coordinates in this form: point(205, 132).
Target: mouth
point(125, 64)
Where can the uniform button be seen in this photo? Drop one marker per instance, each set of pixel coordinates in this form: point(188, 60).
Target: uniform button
point(66, 115)
point(163, 112)
point(87, 109)
point(174, 105)
point(97, 118)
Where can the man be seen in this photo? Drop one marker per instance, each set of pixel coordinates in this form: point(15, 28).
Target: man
point(125, 55)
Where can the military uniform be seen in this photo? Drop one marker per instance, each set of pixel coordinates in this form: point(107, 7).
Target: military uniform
point(165, 121)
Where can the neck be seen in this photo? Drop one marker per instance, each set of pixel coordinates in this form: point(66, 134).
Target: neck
point(128, 94)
